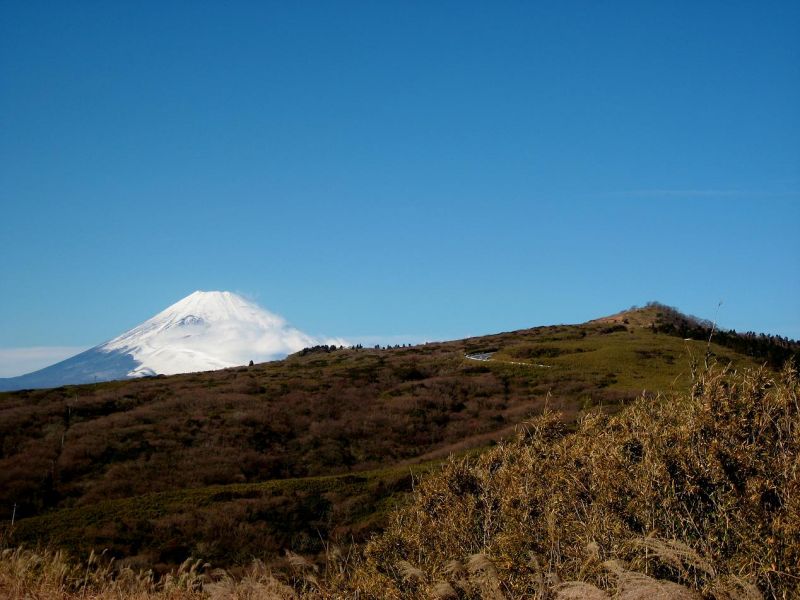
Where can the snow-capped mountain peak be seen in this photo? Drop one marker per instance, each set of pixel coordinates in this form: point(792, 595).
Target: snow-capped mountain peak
point(201, 332)
point(208, 330)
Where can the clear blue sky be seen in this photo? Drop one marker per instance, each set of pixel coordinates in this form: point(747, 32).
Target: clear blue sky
point(424, 169)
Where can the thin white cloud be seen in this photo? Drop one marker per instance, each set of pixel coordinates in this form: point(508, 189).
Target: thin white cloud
point(697, 193)
point(19, 361)
point(679, 193)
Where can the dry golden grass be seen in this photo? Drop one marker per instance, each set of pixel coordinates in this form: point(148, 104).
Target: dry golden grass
point(26, 575)
point(688, 496)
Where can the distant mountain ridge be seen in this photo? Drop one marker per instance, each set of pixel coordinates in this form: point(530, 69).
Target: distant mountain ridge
point(204, 331)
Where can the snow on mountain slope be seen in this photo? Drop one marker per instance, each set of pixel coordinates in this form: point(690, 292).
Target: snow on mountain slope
point(204, 331)
point(208, 330)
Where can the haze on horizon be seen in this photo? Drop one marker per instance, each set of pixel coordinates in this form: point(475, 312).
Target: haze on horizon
point(396, 171)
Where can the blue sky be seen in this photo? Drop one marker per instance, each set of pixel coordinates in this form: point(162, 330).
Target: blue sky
point(414, 169)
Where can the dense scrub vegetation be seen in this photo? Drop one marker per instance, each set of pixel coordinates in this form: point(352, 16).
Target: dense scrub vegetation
point(337, 412)
point(693, 495)
point(226, 525)
point(775, 350)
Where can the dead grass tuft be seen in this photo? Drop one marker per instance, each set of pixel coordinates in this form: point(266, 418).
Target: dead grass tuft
point(578, 590)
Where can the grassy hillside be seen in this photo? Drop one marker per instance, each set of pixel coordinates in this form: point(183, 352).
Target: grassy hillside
point(66, 454)
point(228, 524)
point(684, 496)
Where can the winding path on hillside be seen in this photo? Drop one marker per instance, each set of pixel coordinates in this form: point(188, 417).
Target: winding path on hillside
point(487, 357)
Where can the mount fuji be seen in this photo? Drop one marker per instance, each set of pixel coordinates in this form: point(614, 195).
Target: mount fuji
point(202, 332)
